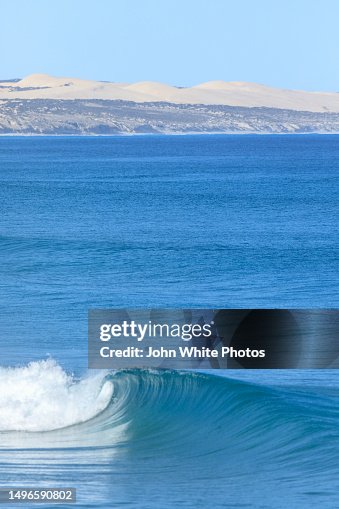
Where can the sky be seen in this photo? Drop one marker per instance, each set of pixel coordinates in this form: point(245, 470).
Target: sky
point(284, 43)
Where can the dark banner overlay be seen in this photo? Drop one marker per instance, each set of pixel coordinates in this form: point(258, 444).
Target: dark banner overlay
point(213, 338)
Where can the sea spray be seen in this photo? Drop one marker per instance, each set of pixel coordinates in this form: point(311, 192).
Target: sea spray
point(42, 397)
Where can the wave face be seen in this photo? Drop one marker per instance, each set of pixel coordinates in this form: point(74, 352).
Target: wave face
point(215, 441)
point(170, 414)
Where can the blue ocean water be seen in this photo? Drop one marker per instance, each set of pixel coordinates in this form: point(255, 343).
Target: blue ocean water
point(165, 221)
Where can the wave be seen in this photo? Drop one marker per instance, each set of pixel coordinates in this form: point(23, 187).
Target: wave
point(177, 414)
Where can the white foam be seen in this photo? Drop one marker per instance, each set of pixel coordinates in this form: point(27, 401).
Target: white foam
point(42, 397)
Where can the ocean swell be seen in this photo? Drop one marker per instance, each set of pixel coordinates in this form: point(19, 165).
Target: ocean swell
point(171, 414)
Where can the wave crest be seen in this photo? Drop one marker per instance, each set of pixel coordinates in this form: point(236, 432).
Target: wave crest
point(42, 397)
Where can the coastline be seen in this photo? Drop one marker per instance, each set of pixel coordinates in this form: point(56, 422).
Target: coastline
point(193, 133)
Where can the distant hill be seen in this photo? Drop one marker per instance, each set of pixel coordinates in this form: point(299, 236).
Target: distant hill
point(42, 104)
point(42, 86)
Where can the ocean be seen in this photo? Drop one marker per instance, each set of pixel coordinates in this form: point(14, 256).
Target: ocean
point(222, 221)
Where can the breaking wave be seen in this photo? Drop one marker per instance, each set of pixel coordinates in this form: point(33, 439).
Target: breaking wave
point(178, 414)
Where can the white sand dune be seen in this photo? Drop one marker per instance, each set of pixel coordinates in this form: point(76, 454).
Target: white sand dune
point(234, 93)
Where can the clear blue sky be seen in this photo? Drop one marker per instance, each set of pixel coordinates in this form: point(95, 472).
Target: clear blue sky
point(287, 43)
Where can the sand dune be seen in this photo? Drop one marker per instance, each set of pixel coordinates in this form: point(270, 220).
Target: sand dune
point(42, 86)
